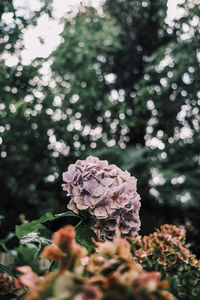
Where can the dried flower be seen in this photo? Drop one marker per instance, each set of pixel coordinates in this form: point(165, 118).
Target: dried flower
point(40, 286)
point(27, 279)
point(65, 249)
point(121, 275)
point(107, 193)
point(110, 273)
point(165, 250)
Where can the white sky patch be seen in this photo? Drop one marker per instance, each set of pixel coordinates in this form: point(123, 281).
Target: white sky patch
point(156, 178)
point(186, 78)
point(25, 7)
point(61, 7)
point(110, 78)
point(166, 61)
point(10, 60)
point(178, 180)
point(174, 12)
point(198, 56)
point(186, 132)
point(185, 197)
point(42, 39)
point(7, 18)
point(155, 143)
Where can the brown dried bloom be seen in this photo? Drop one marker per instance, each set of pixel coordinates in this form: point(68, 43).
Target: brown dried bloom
point(121, 276)
point(166, 250)
point(65, 250)
point(27, 279)
point(109, 273)
point(107, 193)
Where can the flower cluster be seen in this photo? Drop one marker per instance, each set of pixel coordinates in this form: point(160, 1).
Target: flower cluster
point(65, 250)
point(165, 250)
point(107, 193)
point(107, 274)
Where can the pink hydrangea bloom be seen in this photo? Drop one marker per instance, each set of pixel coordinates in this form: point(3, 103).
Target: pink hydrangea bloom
point(106, 192)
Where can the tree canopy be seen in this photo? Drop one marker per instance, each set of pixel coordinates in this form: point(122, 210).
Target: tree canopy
point(123, 85)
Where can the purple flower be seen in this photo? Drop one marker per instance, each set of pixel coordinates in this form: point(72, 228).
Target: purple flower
point(107, 193)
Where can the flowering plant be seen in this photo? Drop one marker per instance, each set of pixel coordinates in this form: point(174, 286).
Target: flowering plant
point(166, 251)
point(107, 193)
point(107, 274)
point(119, 263)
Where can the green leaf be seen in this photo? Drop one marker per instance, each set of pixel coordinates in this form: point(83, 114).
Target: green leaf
point(4, 269)
point(28, 253)
point(84, 236)
point(5, 240)
point(31, 246)
point(26, 228)
point(66, 214)
point(34, 236)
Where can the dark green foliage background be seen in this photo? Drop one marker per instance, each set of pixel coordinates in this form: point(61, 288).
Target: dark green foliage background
point(110, 119)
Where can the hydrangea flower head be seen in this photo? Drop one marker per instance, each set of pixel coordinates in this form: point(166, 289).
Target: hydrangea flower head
point(107, 193)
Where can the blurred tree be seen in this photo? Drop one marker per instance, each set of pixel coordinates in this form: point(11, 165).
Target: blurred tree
point(48, 116)
point(142, 32)
point(172, 90)
point(157, 67)
point(21, 147)
point(114, 49)
point(123, 85)
point(79, 88)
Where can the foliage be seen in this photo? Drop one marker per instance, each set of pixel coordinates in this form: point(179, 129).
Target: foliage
point(29, 227)
point(18, 141)
point(124, 82)
point(34, 236)
point(142, 32)
point(166, 251)
point(104, 269)
point(32, 121)
point(111, 266)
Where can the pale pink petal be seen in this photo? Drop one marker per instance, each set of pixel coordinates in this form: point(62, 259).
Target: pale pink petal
point(87, 200)
point(72, 206)
point(109, 209)
point(98, 191)
point(77, 199)
point(65, 187)
point(72, 168)
point(76, 191)
point(130, 187)
point(107, 181)
point(81, 206)
point(123, 199)
point(28, 278)
point(90, 184)
point(68, 176)
point(92, 159)
point(100, 213)
point(114, 205)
